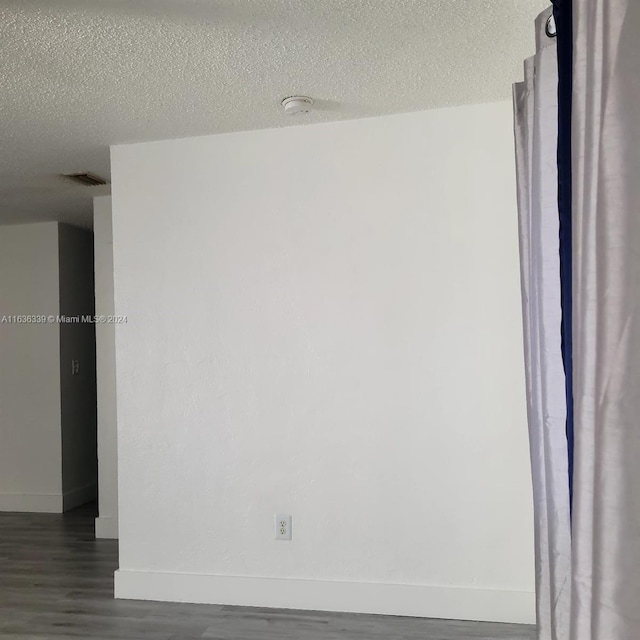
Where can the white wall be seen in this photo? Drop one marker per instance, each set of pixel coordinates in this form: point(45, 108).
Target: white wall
point(30, 444)
point(325, 321)
point(107, 521)
point(78, 390)
point(47, 415)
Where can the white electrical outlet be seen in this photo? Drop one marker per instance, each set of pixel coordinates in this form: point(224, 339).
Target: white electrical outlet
point(283, 526)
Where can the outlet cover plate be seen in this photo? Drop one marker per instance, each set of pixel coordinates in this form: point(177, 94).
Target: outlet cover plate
point(283, 526)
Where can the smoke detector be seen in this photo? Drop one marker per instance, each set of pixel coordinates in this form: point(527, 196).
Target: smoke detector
point(297, 105)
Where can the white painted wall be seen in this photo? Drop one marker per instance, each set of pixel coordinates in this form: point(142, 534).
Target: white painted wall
point(325, 321)
point(107, 520)
point(78, 390)
point(30, 444)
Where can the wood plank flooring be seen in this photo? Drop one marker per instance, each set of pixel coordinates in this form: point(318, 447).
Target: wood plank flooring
point(56, 581)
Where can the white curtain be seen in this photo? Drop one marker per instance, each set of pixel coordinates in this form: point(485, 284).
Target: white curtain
point(536, 128)
point(587, 562)
point(606, 312)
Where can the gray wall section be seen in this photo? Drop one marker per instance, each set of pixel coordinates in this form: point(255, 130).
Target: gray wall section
point(107, 521)
point(78, 391)
point(30, 456)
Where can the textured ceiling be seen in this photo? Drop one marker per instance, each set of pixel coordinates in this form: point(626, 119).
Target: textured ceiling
point(79, 75)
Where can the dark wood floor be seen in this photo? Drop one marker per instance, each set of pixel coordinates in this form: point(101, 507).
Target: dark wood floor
point(56, 581)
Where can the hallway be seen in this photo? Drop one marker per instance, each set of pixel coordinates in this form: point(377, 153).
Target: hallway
point(56, 582)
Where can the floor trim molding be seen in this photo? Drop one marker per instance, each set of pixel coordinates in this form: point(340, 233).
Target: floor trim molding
point(31, 502)
point(459, 603)
point(106, 528)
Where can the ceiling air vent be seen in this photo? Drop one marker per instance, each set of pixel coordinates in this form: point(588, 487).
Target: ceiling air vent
point(85, 179)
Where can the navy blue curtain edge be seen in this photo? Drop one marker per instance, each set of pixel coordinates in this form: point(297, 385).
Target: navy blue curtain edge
point(563, 16)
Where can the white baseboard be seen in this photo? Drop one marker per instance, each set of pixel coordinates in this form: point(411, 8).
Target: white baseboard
point(31, 502)
point(107, 528)
point(458, 603)
point(79, 496)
